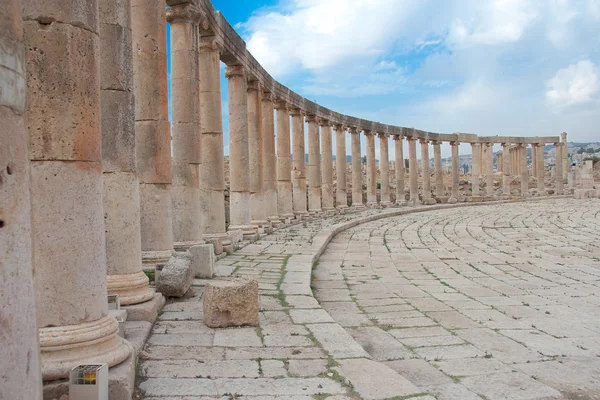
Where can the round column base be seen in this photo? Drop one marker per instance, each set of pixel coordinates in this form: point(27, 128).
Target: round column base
point(65, 347)
point(275, 221)
point(184, 246)
point(150, 259)
point(131, 288)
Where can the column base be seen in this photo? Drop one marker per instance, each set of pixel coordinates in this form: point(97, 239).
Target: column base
point(429, 201)
point(150, 259)
point(65, 347)
point(452, 200)
point(184, 246)
point(476, 199)
point(414, 202)
point(315, 213)
point(262, 226)
point(386, 203)
point(223, 238)
point(275, 221)
point(372, 204)
point(287, 219)
point(249, 232)
point(131, 288)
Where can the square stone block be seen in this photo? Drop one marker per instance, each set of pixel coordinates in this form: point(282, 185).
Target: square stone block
point(231, 303)
point(203, 260)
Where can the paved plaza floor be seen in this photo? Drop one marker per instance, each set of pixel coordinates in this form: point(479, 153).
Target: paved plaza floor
point(496, 301)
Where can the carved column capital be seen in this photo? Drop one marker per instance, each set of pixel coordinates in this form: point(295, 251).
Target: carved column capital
point(295, 111)
point(186, 13)
point(210, 43)
point(268, 96)
point(398, 137)
point(382, 135)
point(252, 84)
point(281, 104)
point(324, 122)
point(353, 130)
point(311, 118)
point(235, 70)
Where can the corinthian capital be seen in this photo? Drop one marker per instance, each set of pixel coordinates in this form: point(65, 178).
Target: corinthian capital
point(186, 12)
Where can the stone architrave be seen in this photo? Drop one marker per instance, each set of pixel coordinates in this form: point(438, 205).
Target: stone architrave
point(384, 167)
point(524, 171)
point(121, 193)
point(314, 166)
point(371, 170)
point(413, 170)
point(65, 145)
point(284, 164)
point(239, 163)
point(269, 158)
point(399, 170)
point(539, 167)
point(357, 199)
point(187, 143)
point(455, 173)
point(558, 175)
point(506, 169)
point(327, 166)
point(341, 196)
point(489, 169)
point(298, 165)
point(437, 164)
point(19, 351)
point(475, 170)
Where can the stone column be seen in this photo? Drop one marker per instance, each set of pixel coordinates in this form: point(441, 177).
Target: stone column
point(413, 173)
point(534, 149)
point(559, 166)
point(500, 161)
point(239, 162)
point(212, 170)
point(314, 166)
point(65, 149)
point(269, 159)
point(455, 173)
point(152, 130)
point(524, 171)
point(475, 170)
point(299, 167)
point(565, 157)
point(19, 352)
point(121, 189)
point(371, 170)
point(489, 170)
point(327, 165)
point(539, 168)
point(341, 197)
point(399, 160)
point(185, 42)
point(284, 163)
point(384, 168)
point(425, 172)
point(258, 213)
point(506, 170)
point(357, 199)
point(439, 176)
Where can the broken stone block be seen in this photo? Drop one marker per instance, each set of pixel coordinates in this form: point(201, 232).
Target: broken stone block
point(217, 245)
point(203, 260)
point(176, 276)
point(229, 303)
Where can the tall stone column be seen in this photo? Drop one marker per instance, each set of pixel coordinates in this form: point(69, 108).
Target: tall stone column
point(357, 199)
point(384, 168)
point(327, 165)
point(565, 157)
point(269, 159)
point(475, 169)
point(371, 170)
point(258, 212)
point(539, 167)
point(437, 163)
point(185, 45)
point(314, 166)
point(399, 160)
point(506, 169)
point(489, 170)
point(455, 173)
point(121, 189)
point(299, 164)
point(524, 172)
point(500, 161)
point(65, 145)
point(413, 171)
point(212, 170)
point(559, 166)
point(284, 163)
point(19, 352)
point(239, 162)
point(534, 149)
point(425, 172)
point(341, 197)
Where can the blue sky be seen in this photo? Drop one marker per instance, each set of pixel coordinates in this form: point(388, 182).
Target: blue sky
point(490, 67)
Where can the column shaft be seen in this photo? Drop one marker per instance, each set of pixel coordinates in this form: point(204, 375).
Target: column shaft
point(357, 198)
point(524, 171)
point(475, 169)
point(425, 170)
point(327, 165)
point(489, 170)
point(284, 164)
point(559, 168)
point(500, 161)
point(384, 168)
point(340, 167)
point(19, 352)
point(299, 164)
point(565, 157)
point(239, 162)
point(371, 170)
point(121, 188)
point(314, 166)
point(439, 176)
point(534, 171)
point(539, 167)
point(455, 173)
point(399, 170)
point(506, 169)
point(65, 144)
point(269, 159)
point(255, 154)
point(187, 144)
point(413, 173)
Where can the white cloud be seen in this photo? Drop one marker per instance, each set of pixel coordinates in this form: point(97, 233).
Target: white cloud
point(576, 84)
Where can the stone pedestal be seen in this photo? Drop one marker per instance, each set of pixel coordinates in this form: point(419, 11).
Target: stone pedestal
point(413, 170)
point(284, 164)
point(239, 164)
point(230, 303)
point(269, 159)
point(399, 170)
point(65, 142)
point(327, 166)
point(19, 351)
point(298, 167)
point(455, 174)
point(314, 166)
point(341, 196)
point(371, 170)
point(357, 201)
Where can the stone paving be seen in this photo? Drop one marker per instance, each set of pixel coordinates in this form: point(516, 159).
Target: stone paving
point(491, 302)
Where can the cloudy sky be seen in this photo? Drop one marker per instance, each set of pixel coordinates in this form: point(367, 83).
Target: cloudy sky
point(490, 67)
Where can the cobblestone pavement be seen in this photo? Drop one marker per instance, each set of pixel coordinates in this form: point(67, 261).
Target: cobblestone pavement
point(492, 302)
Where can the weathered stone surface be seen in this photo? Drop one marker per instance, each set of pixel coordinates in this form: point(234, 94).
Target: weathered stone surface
point(231, 303)
point(177, 275)
point(203, 260)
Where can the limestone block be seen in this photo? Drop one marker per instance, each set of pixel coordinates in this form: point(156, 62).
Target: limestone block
point(176, 277)
point(231, 303)
point(153, 149)
point(81, 13)
point(236, 235)
point(118, 148)
point(203, 260)
point(216, 243)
